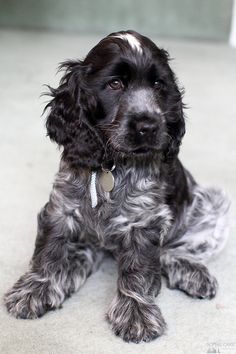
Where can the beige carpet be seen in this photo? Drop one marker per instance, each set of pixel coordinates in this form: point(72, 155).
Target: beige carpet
point(29, 162)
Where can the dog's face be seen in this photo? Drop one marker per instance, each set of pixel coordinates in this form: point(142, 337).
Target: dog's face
point(121, 100)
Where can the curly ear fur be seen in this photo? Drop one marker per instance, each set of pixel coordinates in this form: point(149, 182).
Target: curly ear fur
point(175, 124)
point(176, 131)
point(67, 122)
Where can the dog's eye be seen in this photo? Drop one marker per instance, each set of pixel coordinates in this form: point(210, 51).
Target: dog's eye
point(116, 84)
point(159, 84)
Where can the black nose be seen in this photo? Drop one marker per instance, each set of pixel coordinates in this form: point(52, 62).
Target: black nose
point(146, 128)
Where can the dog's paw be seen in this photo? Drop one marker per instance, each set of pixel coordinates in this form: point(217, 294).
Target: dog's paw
point(135, 322)
point(204, 286)
point(30, 297)
point(197, 283)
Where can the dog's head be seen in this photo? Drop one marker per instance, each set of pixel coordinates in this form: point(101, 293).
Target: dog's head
point(122, 100)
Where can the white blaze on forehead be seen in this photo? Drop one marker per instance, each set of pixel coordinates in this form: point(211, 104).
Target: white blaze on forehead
point(132, 40)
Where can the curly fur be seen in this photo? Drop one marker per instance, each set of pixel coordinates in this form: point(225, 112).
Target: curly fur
point(122, 105)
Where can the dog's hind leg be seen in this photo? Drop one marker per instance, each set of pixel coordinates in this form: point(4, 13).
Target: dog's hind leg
point(201, 234)
point(63, 259)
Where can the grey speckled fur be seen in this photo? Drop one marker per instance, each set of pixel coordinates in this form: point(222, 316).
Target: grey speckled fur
point(128, 223)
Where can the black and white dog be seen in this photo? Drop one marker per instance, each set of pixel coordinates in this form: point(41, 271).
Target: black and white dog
point(121, 189)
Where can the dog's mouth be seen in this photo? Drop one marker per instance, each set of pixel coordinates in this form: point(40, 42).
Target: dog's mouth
point(139, 151)
point(142, 150)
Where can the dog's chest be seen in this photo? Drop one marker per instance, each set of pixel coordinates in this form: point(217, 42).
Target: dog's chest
point(130, 191)
point(136, 201)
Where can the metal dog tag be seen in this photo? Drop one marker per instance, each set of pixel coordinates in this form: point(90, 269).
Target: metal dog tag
point(107, 181)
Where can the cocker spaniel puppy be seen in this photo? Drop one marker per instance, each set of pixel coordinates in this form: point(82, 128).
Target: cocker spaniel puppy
point(121, 188)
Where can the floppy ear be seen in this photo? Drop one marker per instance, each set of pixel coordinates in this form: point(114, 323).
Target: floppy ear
point(175, 128)
point(173, 106)
point(68, 123)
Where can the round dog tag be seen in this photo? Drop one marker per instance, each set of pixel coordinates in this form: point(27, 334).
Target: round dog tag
point(107, 181)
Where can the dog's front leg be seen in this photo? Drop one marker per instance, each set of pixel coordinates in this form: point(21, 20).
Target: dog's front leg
point(64, 257)
point(133, 314)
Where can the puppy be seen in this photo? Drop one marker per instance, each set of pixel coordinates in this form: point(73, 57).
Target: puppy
point(121, 188)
